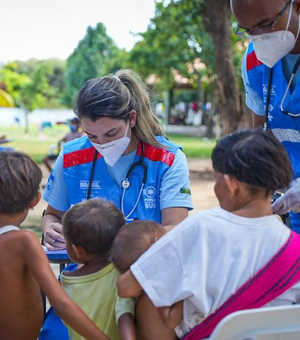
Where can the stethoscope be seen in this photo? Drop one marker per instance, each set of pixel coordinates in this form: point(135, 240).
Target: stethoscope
point(125, 183)
point(293, 115)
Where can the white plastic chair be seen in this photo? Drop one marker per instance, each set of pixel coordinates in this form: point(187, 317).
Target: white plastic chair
point(268, 323)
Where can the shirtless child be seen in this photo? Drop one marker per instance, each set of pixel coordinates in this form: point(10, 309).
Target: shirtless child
point(24, 267)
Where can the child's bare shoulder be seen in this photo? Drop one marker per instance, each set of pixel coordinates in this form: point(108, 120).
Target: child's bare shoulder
point(26, 234)
point(18, 239)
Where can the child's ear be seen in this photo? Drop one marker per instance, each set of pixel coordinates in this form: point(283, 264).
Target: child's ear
point(78, 251)
point(232, 185)
point(35, 201)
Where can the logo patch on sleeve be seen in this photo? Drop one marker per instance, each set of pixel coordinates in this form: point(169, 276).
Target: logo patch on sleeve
point(185, 191)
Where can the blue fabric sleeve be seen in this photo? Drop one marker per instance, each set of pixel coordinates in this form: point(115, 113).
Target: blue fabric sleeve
point(253, 100)
point(56, 193)
point(175, 188)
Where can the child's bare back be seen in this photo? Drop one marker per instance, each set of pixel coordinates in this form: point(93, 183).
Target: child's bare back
point(21, 311)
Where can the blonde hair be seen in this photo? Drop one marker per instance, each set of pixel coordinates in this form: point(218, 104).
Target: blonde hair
point(116, 97)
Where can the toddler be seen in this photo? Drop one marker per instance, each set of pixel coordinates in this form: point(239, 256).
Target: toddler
point(89, 228)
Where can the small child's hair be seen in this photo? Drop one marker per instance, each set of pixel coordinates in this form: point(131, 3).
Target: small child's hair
point(132, 240)
point(93, 225)
point(20, 179)
point(253, 157)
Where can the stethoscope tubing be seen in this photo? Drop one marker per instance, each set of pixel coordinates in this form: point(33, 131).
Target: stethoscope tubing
point(126, 182)
point(293, 115)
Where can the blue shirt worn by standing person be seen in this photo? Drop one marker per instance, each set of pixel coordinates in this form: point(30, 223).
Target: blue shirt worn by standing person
point(284, 127)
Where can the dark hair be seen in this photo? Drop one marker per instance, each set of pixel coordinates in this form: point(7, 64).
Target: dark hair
point(93, 225)
point(253, 157)
point(115, 97)
point(74, 120)
point(132, 240)
point(20, 179)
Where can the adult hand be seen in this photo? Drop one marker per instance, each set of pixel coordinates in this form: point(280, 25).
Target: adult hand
point(290, 200)
point(53, 238)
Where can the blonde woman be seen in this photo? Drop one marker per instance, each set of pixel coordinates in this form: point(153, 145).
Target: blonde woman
point(124, 157)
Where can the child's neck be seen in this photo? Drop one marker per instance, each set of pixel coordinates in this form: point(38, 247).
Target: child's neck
point(90, 266)
point(254, 208)
point(14, 219)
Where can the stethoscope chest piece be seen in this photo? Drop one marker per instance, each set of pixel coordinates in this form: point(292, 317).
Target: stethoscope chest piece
point(125, 184)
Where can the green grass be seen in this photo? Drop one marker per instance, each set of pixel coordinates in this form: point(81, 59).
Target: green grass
point(36, 143)
point(194, 147)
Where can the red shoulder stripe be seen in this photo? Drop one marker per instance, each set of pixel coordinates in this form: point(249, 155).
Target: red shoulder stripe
point(155, 154)
point(252, 61)
point(80, 157)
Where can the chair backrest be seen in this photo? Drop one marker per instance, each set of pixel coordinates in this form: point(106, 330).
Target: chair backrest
point(268, 323)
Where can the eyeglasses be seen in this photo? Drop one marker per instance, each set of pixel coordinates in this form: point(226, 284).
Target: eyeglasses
point(245, 32)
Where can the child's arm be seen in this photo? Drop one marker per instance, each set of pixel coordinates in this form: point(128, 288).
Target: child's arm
point(126, 327)
point(38, 265)
point(172, 316)
point(128, 286)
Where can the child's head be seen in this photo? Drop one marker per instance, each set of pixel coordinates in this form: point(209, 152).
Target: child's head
point(74, 124)
point(92, 225)
point(132, 241)
point(254, 158)
point(20, 179)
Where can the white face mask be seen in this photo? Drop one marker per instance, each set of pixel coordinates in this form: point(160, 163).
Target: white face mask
point(112, 151)
point(271, 47)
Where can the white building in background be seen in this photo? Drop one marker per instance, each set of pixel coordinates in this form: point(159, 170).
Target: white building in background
point(52, 116)
point(12, 116)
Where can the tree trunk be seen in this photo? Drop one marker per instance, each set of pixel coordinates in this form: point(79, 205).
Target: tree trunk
point(216, 20)
point(168, 104)
point(26, 113)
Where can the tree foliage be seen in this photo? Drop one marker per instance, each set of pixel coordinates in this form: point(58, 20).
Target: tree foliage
point(95, 55)
point(193, 39)
point(173, 41)
point(34, 84)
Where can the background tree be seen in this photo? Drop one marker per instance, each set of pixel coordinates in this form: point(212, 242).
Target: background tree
point(183, 32)
point(227, 92)
point(34, 84)
point(95, 55)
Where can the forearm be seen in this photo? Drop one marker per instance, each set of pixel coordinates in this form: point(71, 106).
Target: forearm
point(78, 320)
point(126, 327)
point(170, 217)
point(38, 265)
point(47, 220)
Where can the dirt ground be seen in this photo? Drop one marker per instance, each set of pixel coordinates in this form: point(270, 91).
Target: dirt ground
point(202, 184)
